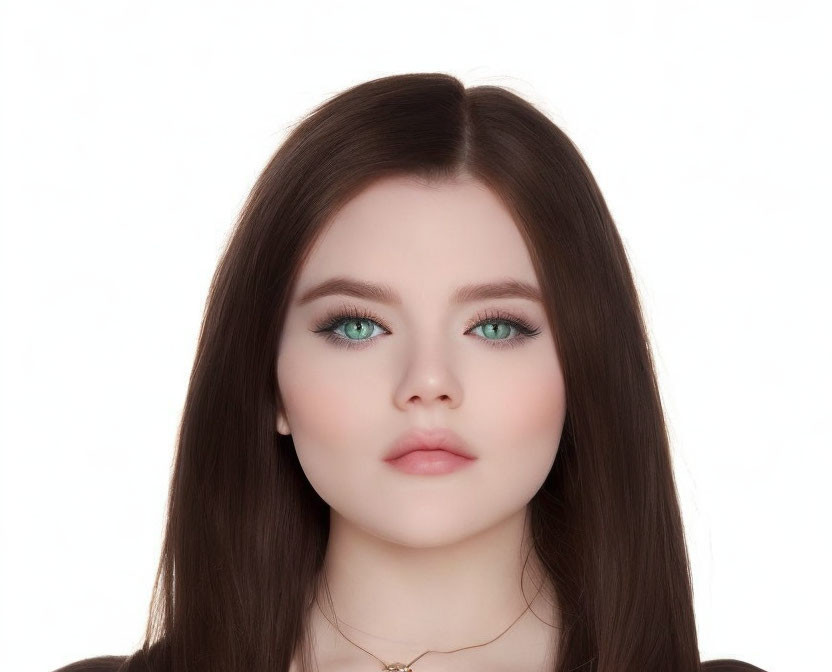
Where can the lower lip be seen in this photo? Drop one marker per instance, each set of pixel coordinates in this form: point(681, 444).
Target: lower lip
point(429, 462)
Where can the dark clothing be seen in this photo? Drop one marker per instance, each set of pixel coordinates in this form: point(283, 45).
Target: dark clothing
point(100, 664)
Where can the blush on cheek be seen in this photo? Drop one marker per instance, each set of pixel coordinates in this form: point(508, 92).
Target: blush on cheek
point(526, 417)
point(541, 406)
point(336, 415)
point(526, 395)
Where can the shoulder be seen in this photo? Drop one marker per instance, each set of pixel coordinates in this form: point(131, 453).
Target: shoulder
point(99, 664)
point(729, 665)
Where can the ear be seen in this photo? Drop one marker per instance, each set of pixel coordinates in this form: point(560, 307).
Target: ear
point(282, 425)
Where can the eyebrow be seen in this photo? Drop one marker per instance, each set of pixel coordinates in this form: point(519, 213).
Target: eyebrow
point(342, 285)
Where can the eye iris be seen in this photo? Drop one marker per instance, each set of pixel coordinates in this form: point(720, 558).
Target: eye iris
point(360, 328)
point(501, 328)
point(351, 332)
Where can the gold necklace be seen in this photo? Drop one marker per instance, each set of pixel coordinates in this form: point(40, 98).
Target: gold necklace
point(406, 667)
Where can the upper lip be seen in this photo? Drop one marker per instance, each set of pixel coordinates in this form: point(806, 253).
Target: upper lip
point(437, 438)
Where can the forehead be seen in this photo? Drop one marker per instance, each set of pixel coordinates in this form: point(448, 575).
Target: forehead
point(419, 238)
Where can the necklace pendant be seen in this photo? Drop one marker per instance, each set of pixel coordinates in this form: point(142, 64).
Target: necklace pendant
point(398, 667)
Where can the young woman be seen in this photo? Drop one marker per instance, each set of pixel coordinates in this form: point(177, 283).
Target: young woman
point(423, 429)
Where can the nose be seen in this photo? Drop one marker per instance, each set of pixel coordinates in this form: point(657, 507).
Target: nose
point(428, 379)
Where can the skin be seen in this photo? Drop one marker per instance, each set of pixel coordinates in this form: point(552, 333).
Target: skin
point(419, 562)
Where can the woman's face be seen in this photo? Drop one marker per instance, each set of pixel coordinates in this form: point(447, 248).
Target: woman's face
point(421, 363)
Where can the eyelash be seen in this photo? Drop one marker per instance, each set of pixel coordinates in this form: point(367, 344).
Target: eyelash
point(346, 313)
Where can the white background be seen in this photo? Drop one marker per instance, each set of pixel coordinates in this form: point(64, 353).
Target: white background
point(132, 132)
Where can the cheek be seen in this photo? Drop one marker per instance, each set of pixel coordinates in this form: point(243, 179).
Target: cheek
point(522, 412)
point(328, 411)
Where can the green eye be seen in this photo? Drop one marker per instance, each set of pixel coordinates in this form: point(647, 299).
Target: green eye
point(358, 328)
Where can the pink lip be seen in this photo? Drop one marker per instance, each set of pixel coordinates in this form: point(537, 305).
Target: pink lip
point(429, 451)
point(429, 462)
point(428, 439)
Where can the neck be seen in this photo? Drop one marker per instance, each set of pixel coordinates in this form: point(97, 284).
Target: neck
point(399, 601)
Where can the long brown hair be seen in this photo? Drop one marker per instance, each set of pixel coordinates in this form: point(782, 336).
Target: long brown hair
point(246, 533)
